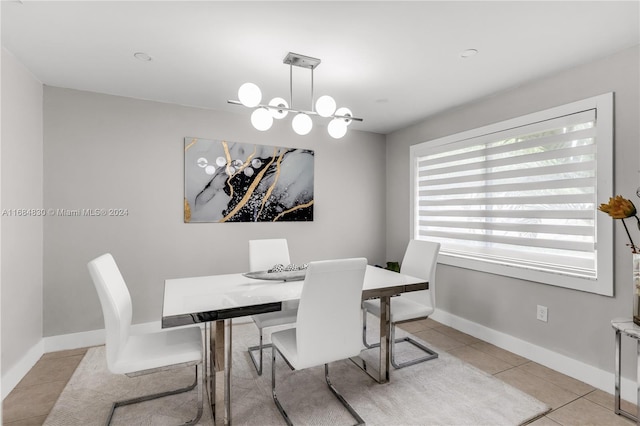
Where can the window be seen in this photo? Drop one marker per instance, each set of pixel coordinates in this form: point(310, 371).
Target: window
point(519, 198)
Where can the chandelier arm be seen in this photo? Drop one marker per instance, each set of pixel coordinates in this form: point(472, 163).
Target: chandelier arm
point(281, 108)
point(291, 84)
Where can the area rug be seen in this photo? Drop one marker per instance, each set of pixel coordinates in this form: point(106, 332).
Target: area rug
point(444, 391)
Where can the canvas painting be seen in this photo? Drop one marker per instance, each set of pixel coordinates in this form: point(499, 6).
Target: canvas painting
point(242, 182)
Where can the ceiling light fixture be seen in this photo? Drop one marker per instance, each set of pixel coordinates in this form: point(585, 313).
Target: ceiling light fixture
point(262, 117)
point(468, 53)
point(141, 56)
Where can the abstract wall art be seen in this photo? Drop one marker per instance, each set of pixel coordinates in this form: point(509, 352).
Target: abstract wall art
point(241, 182)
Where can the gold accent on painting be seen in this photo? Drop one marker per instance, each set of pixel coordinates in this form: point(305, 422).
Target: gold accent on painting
point(298, 207)
point(187, 211)
point(193, 142)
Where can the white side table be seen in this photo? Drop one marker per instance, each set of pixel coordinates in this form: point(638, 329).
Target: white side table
point(626, 326)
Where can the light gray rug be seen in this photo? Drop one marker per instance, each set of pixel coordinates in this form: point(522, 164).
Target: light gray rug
point(444, 391)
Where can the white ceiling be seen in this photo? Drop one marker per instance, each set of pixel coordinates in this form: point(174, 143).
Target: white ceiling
point(391, 62)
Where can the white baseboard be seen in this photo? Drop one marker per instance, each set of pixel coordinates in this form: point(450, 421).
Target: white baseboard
point(589, 374)
point(12, 376)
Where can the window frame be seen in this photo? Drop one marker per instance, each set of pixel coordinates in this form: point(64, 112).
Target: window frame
point(603, 283)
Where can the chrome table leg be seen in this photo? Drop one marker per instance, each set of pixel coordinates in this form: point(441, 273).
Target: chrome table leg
point(220, 376)
point(618, 366)
point(382, 374)
point(385, 340)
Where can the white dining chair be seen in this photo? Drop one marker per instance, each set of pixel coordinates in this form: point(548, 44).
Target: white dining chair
point(328, 323)
point(139, 354)
point(263, 255)
point(420, 260)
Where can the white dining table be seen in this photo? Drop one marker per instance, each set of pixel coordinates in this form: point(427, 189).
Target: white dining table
point(216, 299)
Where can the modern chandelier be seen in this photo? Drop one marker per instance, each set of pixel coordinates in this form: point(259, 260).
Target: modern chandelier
point(262, 117)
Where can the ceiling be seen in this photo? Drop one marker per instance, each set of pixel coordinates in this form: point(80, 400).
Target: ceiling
point(393, 63)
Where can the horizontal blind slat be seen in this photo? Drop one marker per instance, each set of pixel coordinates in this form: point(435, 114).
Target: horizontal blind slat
point(542, 214)
point(512, 227)
point(548, 199)
point(518, 186)
point(538, 242)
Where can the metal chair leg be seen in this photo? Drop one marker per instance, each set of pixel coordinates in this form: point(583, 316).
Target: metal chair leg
point(199, 379)
point(431, 354)
point(364, 331)
point(335, 392)
point(273, 387)
point(344, 402)
point(260, 347)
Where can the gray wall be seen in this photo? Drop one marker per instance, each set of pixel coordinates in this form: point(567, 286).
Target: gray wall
point(579, 323)
point(111, 152)
point(21, 189)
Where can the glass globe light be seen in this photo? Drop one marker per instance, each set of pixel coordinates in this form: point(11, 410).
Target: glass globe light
point(278, 113)
point(302, 124)
point(261, 119)
point(337, 128)
point(249, 95)
point(325, 106)
point(345, 112)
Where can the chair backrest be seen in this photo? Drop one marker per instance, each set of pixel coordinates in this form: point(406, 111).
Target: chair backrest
point(329, 325)
point(420, 260)
point(116, 304)
point(264, 254)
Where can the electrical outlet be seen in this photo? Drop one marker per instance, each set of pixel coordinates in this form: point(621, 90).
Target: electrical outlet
point(541, 313)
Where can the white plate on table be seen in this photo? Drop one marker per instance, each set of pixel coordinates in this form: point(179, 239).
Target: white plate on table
point(277, 276)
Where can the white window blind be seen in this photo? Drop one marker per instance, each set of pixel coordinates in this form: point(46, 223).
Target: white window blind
point(523, 197)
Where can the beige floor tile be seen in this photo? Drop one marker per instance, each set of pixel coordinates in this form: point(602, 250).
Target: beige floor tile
point(559, 379)
point(584, 412)
point(439, 340)
point(51, 369)
point(544, 421)
point(500, 353)
point(63, 354)
point(31, 401)
point(545, 391)
point(458, 335)
point(606, 400)
point(32, 421)
point(481, 360)
point(416, 326)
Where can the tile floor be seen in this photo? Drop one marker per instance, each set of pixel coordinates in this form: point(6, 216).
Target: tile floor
point(572, 402)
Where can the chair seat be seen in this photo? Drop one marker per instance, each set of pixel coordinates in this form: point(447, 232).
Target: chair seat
point(402, 309)
point(156, 350)
point(286, 343)
point(272, 319)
